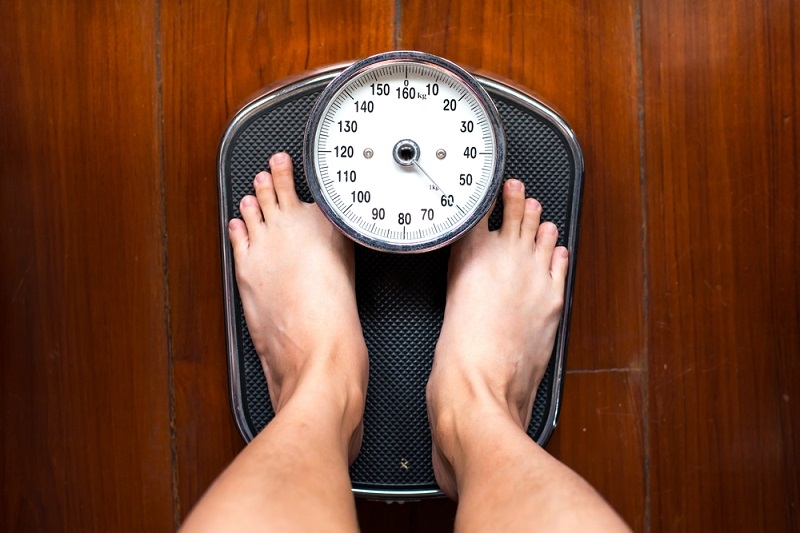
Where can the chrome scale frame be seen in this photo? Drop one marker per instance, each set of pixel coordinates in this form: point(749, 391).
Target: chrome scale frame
point(286, 88)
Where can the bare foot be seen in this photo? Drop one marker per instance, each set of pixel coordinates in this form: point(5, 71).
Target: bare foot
point(295, 274)
point(504, 298)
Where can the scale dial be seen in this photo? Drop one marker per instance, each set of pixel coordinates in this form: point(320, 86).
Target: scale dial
point(404, 152)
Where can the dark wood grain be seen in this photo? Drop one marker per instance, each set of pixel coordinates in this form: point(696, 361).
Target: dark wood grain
point(85, 398)
point(723, 200)
point(213, 56)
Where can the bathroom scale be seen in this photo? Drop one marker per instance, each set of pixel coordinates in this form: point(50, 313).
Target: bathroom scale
point(445, 139)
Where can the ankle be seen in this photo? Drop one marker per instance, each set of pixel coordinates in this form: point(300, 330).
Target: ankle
point(336, 390)
point(455, 391)
point(465, 441)
point(458, 413)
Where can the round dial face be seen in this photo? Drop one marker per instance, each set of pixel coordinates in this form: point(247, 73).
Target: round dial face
point(404, 152)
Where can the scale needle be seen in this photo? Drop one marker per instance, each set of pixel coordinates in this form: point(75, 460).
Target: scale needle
point(416, 164)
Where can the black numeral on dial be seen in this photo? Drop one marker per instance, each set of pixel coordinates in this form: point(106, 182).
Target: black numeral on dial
point(344, 151)
point(361, 197)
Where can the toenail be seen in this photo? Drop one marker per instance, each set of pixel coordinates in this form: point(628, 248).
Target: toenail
point(280, 157)
point(515, 185)
point(260, 177)
point(532, 203)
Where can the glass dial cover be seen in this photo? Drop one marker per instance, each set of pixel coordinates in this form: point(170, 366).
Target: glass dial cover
point(404, 152)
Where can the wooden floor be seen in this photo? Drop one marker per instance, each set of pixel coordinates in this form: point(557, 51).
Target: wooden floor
point(681, 399)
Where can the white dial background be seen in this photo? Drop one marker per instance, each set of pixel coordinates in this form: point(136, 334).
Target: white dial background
point(356, 136)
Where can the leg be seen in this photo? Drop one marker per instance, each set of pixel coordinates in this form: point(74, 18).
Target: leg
point(488, 364)
point(293, 475)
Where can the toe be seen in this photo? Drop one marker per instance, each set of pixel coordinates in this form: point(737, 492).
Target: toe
point(546, 238)
point(251, 213)
point(513, 207)
point(558, 266)
point(530, 219)
point(240, 240)
point(283, 179)
point(265, 192)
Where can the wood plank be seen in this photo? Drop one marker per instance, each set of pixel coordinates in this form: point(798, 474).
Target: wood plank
point(721, 114)
point(580, 58)
point(601, 436)
point(84, 366)
point(214, 55)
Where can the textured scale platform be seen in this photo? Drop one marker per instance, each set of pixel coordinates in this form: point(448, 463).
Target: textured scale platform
point(400, 297)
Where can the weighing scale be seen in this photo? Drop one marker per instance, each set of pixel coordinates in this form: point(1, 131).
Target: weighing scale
point(404, 152)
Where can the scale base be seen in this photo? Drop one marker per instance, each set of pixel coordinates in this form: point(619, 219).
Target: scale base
point(400, 297)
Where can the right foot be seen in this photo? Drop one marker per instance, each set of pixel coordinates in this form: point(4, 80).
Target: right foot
point(295, 274)
point(505, 294)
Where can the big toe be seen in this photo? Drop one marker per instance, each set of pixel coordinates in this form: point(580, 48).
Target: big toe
point(513, 207)
point(283, 179)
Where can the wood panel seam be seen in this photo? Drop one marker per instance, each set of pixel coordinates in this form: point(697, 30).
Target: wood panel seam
point(637, 21)
point(173, 438)
point(398, 18)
